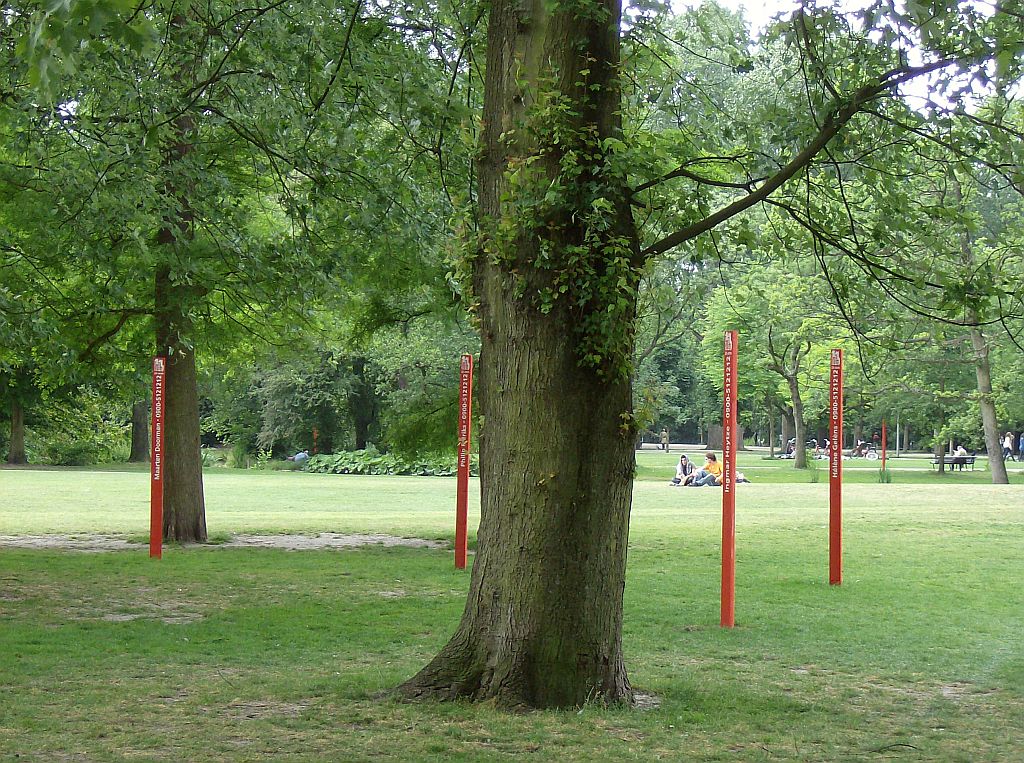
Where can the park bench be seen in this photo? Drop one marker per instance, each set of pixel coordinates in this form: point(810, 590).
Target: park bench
point(951, 461)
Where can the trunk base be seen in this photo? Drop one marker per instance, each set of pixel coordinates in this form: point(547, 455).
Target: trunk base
point(449, 678)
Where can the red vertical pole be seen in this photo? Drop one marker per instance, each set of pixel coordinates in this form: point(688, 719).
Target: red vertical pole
point(883, 444)
point(728, 618)
point(835, 472)
point(156, 460)
point(462, 478)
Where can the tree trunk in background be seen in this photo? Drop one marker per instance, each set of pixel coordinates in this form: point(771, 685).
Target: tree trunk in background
point(140, 433)
point(771, 436)
point(983, 371)
point(906, 437)
point(800, 428)
point(982, 363)
point(542, 625)
point(16, 449)
point(787, 428)
point(938, 451)
point(363, 405)
point(716, 433)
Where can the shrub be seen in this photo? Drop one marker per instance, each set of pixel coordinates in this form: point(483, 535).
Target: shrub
point(282, 466)
point(812, 467)
point(370, 461)
point(72, 453)
point(214, 456)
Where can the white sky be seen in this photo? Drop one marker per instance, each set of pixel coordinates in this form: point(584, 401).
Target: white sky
point(758, 13)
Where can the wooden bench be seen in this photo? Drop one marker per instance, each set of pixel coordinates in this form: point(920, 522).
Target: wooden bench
point(953, 461)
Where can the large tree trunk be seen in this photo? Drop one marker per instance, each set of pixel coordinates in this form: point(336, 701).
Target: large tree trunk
point(543, 621)
point(542, 626)
point(800, 454)
point(140, 433)
point(16, 449)
point(184, 504)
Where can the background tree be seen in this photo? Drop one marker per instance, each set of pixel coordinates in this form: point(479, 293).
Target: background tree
point(201, 185)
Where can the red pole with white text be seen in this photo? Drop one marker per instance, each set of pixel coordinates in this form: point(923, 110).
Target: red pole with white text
point(156, 460)
point(462, 478)
point(883, 444)
point(835, 472)
point(728, 614)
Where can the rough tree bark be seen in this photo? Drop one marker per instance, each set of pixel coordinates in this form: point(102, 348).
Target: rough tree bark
point(543, 620)
point(184, 503)
point(140, 433)
point(16, 449)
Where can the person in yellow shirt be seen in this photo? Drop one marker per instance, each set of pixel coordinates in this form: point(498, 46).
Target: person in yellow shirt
point(710, 475)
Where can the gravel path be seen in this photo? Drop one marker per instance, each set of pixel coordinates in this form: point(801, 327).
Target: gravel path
point(98, 543)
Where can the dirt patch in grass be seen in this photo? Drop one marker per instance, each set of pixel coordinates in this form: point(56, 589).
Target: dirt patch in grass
point(90, 543)
point(264, 709)
point(328, 540)
point(101, 543)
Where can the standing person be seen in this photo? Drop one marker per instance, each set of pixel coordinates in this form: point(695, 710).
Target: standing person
point(664, 440)
point(683, 470)
point(710, 475)
point(1008, 446)
point(1020, 448)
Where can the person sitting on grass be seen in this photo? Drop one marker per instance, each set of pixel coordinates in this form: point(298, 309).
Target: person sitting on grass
point(684, 469)
point(710, 475)
point(300, 457)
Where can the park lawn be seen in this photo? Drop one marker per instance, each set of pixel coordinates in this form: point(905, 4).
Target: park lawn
point(915, 469)
point(223, 653)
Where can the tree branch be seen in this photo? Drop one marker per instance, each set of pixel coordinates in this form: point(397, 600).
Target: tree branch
point(841, 114)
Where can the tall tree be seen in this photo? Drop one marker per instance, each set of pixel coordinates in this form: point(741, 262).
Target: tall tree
point(555, 278)
point(213, 166)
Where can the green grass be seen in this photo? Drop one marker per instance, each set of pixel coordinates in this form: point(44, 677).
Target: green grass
point(241, 654)
point(915, 469)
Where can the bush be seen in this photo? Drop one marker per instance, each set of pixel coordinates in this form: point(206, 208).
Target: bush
point(72, 453)
point(282, 466)
point(214, 456)
point(370, 461)
point(812, 467)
